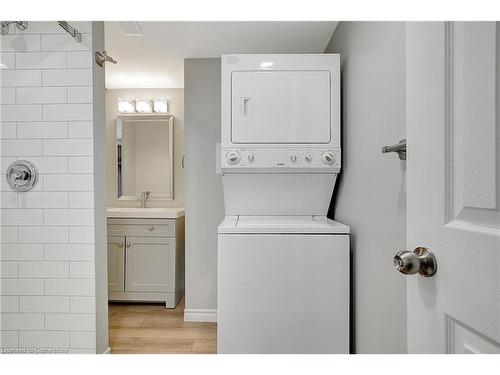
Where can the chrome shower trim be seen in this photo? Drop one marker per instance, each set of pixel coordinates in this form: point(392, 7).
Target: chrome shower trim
point(5, 26)
point(71, 30)
point(103, 57)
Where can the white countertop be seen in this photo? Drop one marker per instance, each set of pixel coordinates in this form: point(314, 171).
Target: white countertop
point(145, 213)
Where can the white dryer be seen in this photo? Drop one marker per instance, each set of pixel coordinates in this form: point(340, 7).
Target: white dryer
point(283, 276)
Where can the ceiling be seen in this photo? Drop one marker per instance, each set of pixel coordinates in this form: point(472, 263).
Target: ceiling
point(156, 59)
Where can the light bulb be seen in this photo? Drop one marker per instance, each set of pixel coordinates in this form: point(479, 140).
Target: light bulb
point(160, 105)
point(125, 105)
point(143, 105)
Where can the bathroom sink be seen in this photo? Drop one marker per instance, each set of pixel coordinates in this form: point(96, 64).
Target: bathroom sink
point(146, 213)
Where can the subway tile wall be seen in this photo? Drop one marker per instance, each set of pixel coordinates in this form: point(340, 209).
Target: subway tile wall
point(47, 282)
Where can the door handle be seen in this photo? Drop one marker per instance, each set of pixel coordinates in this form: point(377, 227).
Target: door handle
point(421, 260)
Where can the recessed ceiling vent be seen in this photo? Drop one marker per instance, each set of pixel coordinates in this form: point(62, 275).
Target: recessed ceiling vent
point(132, 28)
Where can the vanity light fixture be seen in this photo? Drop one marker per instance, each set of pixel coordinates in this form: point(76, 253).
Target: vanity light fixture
point(160, 105)
point(143, 105)
point(126, 105)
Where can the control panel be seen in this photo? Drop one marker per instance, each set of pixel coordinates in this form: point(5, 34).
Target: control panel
point(310, 159)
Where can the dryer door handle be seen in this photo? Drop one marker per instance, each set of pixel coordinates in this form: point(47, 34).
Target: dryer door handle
point(246, 106)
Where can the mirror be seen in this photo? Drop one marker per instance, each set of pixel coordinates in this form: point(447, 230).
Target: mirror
point(144, 156)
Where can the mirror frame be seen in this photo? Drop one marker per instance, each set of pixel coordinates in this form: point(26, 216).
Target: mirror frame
point(148, 117)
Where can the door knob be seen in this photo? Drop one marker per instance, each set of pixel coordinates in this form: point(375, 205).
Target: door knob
point(421, 261)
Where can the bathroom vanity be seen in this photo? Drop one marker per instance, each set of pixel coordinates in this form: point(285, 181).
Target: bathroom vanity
point(146, 255)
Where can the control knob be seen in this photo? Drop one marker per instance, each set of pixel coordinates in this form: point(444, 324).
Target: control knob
point(308, 157)
point(233, 157)
point(251, 157)
point(328, 157)
point(293, 158)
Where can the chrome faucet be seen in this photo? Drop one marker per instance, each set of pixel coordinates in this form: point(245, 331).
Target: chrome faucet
point(145, 195)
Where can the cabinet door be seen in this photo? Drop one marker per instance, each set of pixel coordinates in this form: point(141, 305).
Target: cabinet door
point(116, 264)
point(150, 265)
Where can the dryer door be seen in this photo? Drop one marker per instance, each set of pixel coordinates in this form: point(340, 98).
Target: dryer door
point(291, 107)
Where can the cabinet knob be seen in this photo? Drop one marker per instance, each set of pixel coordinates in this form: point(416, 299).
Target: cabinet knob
point(120, 244)
point(129, 244)
point(151, 228)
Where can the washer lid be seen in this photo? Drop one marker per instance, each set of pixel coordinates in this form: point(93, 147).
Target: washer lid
point(281, 224)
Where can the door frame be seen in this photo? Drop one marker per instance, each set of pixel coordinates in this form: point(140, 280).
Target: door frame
point(100, 194)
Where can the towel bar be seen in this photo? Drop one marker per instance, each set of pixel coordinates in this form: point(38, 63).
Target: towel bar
point(400, 148)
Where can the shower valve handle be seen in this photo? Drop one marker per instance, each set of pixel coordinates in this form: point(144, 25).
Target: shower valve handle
point(22, 175)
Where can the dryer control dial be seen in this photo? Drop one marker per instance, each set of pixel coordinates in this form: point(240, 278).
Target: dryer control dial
point(328, 157)
point(251, 157)
point(233, 157)
point(308, 157)
point(293, 158)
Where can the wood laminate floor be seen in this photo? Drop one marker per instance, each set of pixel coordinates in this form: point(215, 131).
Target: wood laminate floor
point(153, 329)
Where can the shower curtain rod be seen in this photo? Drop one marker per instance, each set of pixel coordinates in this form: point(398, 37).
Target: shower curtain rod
point(71, 30)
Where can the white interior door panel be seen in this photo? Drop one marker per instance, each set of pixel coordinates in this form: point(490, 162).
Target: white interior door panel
point(453, 185)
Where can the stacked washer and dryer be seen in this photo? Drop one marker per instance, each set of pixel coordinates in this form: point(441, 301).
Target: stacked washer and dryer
point(283, 266)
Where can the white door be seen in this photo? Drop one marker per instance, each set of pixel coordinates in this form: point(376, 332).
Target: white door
point(453, 185)
point(150, 263)
point(281, 107)
point(116, 264)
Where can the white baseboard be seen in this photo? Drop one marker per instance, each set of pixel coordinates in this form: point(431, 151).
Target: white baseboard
point(200, 315)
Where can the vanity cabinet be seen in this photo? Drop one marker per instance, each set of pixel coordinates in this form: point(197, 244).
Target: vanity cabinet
point(146, 260)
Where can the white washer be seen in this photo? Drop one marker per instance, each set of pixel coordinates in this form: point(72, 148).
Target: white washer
point(283, 286)
point(283, 278)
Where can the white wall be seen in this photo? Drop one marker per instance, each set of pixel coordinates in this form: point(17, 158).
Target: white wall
point(204, 199)
point(175, 99)
point(372, 192)
point(47, 235)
